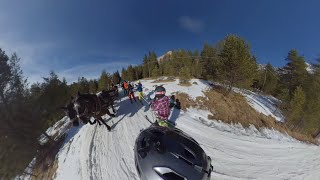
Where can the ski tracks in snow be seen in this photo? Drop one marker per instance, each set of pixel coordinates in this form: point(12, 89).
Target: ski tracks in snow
point(236, 152)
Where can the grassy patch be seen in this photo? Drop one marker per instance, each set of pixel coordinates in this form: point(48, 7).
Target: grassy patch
point(185, 83)
point(163, 79)
point(185, 100)
point(149, 78)
point(233, 108)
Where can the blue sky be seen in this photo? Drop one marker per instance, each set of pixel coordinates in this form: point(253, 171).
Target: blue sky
point(80, 38)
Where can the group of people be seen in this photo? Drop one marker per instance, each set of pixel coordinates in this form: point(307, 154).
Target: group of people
point(161, 103)
point(128, 89)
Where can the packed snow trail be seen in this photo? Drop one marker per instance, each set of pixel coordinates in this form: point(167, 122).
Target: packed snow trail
point(91, 152)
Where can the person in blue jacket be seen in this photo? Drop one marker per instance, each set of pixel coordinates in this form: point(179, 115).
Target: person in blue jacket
point(140, 94)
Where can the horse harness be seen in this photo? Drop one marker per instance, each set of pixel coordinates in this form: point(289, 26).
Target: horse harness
point(98, 105)
point(97, 109)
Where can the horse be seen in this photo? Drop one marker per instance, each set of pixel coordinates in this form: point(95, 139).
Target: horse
point(85, 106)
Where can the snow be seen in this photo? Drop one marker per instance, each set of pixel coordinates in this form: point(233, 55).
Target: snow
point(27, 171)
point(160, 58)
point(91, 152)
point(56, 130)
point(310, 68)
point(196, 89)
point(264, 104)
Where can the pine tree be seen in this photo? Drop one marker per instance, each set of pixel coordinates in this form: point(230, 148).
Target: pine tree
point(296, 107)
point(185, 75)
point(21, 122)
point(131, 74)
point(124, 74)
point(294, 73)
point(269, 79)
point(153, 62)
point(237, 66)
point(139, 72)
point(146, 64)
point(312, 113)
point(5, 77)
point(54, 94)
point(104, 82)
point(208, 61)
point(83, 85)
point(196, 69)
point(155, 72)
point(149, 63)
point(18, 83)
point(116, 77)
point(93, 86)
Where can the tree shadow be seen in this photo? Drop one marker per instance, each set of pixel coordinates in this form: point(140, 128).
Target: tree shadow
point(148, 100)
point(174, 115)
point(149, 94)
point(126, 109)
point(71, 132)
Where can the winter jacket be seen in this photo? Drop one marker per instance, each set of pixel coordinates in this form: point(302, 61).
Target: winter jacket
point(130, 89)
point(139, 88)
point(161, 107)
point(125, 85)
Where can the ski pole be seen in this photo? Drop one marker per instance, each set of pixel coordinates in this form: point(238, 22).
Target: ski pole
point(145, 100)
point(148, 119)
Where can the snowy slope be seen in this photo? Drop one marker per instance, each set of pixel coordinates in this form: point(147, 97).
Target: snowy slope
point(56, 130)
point(266, 105)
point(310, 68)
point(91, 152)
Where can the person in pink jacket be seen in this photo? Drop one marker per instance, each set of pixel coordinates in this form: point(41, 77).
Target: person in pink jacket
point(160, 106)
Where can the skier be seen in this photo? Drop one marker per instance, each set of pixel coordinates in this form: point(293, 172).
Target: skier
point(122, 86)
point(160, 106)
point(139, 89)
point(125, 86)
point(115, 89)
point(131, 93)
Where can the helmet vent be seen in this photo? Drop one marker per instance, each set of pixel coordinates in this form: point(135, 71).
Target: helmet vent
point(168, 174)
point(185, 160)
point(189, 154)
point(172, 176)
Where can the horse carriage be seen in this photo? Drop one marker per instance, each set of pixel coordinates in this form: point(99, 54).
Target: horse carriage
point(85, 106)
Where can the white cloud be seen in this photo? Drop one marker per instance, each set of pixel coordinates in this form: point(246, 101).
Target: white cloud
point(191, 24)
point(91, 71)
point(31, 54)
point(36, 63)
point(38, 56)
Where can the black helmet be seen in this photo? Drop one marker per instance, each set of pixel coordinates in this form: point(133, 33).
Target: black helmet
point(164, 153)
point(160, 91)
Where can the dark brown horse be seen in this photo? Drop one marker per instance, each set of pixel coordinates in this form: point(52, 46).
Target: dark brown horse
point(85, 106)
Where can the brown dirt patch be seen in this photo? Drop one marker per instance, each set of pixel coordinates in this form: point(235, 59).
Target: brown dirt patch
point(233, 108)
point(185, 100)
point(47, 164)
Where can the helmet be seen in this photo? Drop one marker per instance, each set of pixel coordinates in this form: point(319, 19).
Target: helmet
point(164, 153)
point(138, 81)
point(160, 91)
